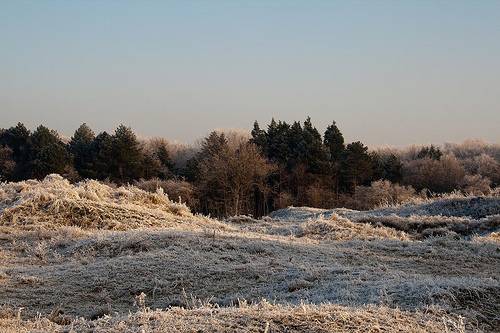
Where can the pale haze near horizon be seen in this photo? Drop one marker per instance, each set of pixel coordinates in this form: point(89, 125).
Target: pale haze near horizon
point(389, 73)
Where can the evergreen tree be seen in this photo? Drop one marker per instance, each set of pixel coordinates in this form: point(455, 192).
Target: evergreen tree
point(297, 146)
point(213, 145)
point(278, 149)
point(127, 155)
point(431, 152)
point(166, 164)
point(334, 142)
point(356, 166)
point(315, 156)
point(156, 162)
point(7, 163)
point(81, 147)
point(18, 140)
point(48, 153)
point(259, 137)
point(151, 167)
point(102, 150)
point(387, 167)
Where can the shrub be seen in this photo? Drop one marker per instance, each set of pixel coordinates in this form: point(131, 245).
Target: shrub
point(476, 185)
point(320, 197)
point(382, 192)
point(177, 190)
point(444, 175)
point(483, 165)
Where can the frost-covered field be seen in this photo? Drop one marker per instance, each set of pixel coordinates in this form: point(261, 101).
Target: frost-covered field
point(89, 257)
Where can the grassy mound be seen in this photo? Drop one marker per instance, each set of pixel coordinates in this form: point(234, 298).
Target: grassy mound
point(89, 204)
point(339, 228)
point(458, 217)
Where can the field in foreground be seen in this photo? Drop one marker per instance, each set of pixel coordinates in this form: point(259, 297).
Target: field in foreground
point(88, 257)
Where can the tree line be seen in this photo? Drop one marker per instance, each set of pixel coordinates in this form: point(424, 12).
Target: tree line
point(283, 164)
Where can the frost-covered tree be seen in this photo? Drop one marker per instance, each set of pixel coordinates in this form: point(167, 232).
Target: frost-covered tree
point(231, 179)
point(439, 176)
point(431, 152)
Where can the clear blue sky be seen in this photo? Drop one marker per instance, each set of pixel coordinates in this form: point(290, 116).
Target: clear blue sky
point(389, 72)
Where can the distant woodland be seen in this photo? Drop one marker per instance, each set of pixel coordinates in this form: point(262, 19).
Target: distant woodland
point(237, 173)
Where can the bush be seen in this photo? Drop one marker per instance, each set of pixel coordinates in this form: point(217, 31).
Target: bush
point(476, 185)
point(382, 192)
point(320, 197)
point(440, 176)
point(473, 148)
point(177, 190)
point(483, 165)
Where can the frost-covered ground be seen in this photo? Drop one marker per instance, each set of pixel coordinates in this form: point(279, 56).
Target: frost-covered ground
point(89, 257)
point(459, 216)
point(472, 207)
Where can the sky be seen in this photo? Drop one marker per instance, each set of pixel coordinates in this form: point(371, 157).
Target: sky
point(388, 72)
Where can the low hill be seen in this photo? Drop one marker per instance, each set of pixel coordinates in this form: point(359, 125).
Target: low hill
point(91, 257)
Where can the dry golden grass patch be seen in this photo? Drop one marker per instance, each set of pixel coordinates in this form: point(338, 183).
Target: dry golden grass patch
point(54, 202)
point(340, 228)
point(261, 317)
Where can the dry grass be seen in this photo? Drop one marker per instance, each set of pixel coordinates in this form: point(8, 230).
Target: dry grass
point(261, 317)
point(69, 270)
point(55, 202)
point(340, 228)
point(493, 237)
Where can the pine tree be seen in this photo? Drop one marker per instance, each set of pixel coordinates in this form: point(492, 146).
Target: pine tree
point(388, 167)
point(18, 140)
point(334, 141)
point(315, 156)
point(151, 167)
point(7, 163)
point(259, 137)
point(356, 166)
point(104, 162)
point(431, 152)
point(271, 138)
point(127, 155)
point(80, 146)
point(48, 153)
point(213, 145)
point(296, 146)
point(166, 165)
point(278, 149)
